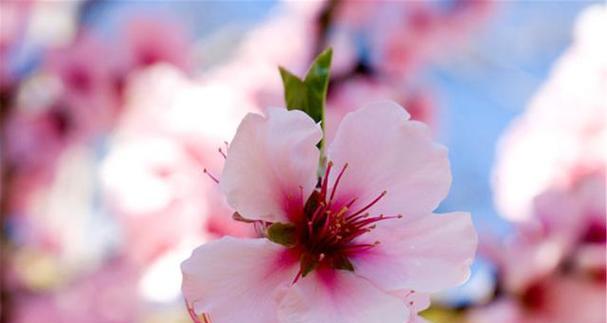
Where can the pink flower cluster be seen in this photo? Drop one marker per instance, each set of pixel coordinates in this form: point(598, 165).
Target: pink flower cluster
point(550, 179)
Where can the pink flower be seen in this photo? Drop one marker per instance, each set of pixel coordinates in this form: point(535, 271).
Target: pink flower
point(150, 40)
point(354, 248)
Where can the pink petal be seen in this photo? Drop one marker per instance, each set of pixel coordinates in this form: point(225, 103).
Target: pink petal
point(271, 164)
point(234, 280)
point(416, 302)
point(426, 254)
point(385, 151)
point(339, 296)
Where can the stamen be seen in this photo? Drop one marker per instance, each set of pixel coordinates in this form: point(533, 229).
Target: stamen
point(343, 169)
point(222, 153)
point(358, 217)
point(211, 176)
point(359, 247)
point(349, 205)
point(365, 222)
point(369, 205)
point(325, 181)
point(202, 318)
point(237, 217)
point(341, 212)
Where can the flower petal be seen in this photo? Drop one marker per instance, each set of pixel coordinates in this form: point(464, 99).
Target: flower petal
point(233, 280)
point(271, 164)
point(417, 302)
point(385, 151)
point(426, 254)
point(339, 296)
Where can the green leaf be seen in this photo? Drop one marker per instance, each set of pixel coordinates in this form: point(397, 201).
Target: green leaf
point(317, 82)
point(309, 95)
point(282, 233)
point(295, 91)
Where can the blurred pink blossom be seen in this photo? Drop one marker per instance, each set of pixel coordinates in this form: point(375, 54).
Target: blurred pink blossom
point(90, 88)
point(550, 178)
point(68, 102)
point(149, 40)
point(154, 177)
point(556, 299)
point(13, 25)
point(405, 36)
point(105, 296)
point(54, 220)
point(254, 68)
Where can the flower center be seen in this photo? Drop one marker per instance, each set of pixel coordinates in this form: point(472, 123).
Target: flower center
point(326, 234)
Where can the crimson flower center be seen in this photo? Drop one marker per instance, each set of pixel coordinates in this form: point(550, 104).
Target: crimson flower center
point(326, 234)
